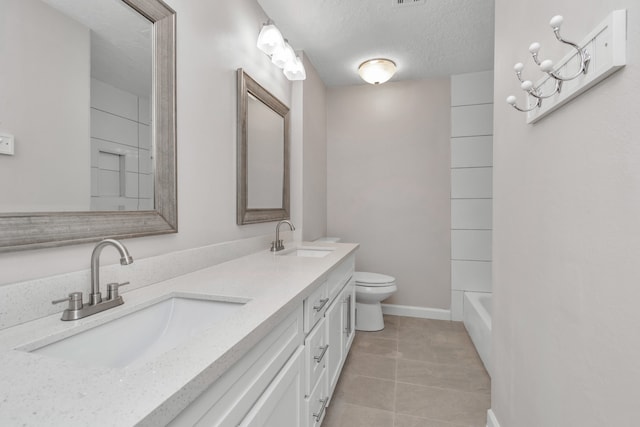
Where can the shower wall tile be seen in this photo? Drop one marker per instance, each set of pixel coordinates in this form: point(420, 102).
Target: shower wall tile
point(472, 88)
point(144, 111)
point(471, 151)
point(472, 120)
point(105, 97)
point(472, 183)
point(457, 305)
point(471, 276)
point(471, 214)
point(471, 245)
point(113, 128)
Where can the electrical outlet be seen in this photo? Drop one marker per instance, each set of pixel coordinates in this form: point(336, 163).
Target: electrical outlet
point(6, 144)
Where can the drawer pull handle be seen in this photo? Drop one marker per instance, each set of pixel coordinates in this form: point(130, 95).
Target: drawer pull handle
point(319, 357)
point(318, 416)
point(323, 302)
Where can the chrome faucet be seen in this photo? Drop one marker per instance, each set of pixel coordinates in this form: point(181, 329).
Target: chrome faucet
point(277, 245)
point(77, 310)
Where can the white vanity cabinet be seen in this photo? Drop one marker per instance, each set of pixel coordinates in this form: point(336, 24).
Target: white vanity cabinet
point(338, 330)
point(286, 380)
point(266, 381)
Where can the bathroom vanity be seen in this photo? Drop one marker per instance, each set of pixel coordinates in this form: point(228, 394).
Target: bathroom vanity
point(271, 357)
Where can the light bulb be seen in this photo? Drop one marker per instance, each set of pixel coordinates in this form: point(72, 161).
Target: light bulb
point(518, 67)
point(526, 85)
point(511, 100)
point(284, 55)
point(534, 47)
point(270, 39)
point(295, 70)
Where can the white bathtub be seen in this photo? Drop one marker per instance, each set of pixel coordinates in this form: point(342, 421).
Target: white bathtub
point(477, 319)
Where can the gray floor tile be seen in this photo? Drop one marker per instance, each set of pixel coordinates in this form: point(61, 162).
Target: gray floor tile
point(371, 365)
point(341, 414)
point(469, 409)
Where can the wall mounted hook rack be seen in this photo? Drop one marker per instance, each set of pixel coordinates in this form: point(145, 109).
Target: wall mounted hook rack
point(600, 54)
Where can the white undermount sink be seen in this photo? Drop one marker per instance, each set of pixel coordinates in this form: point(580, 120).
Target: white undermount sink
point(143, 334)
point(310, 252)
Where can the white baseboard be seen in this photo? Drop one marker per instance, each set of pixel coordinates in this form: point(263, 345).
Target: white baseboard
point(412, 311)
point(492, 421)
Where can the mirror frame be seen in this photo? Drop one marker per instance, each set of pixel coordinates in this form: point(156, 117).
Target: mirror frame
point(32, 230)
point(246, 86)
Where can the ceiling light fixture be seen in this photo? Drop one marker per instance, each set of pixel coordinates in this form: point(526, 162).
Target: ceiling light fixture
point(377, 71)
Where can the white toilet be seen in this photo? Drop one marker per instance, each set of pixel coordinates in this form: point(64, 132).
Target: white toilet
point(371, 288)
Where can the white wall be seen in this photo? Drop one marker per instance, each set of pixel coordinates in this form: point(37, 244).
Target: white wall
point(566, 224)
point(388, 183)
point(50, 170)
point(314, 161)
point(213, 40)
point(471, 183)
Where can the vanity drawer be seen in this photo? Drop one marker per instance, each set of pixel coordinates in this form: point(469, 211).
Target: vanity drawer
point(316, 403)
point(314, 307)
point(340, 275)
point(315, 348)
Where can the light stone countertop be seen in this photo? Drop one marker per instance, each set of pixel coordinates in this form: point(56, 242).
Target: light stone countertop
point(37, 390)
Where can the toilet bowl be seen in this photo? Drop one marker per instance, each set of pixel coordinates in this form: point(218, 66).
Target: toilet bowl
point(371, 288)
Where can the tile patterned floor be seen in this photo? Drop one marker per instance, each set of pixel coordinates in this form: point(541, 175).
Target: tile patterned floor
point(414, 373)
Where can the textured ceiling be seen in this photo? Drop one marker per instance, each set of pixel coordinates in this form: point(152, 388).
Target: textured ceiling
point(429, 39)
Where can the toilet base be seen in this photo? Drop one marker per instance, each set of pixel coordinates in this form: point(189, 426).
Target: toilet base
point(369, 317)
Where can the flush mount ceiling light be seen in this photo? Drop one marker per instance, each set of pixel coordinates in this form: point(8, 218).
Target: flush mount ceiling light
point(377, 71)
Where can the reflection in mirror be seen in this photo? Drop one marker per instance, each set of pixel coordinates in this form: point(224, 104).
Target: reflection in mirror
point(263, 154)
point(89, 96)
point(77, 94)
point(265, 174)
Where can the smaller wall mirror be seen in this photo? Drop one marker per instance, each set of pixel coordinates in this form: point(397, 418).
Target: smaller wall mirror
point(263, 154)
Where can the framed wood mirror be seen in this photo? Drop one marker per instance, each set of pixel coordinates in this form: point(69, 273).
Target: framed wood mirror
point(35, 224)
point(263, 154)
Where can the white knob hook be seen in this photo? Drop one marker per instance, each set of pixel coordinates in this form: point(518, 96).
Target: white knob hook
point(511, 100)
point(518, 67)
point(556, 22)
point(534, 48)
point(547, 66)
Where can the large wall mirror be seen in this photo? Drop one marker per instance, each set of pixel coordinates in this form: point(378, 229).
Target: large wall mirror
point(88, 93)
point(263, 154)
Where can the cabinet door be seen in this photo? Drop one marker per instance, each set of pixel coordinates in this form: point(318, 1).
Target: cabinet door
point(349, 308)
point(281, 405)
point(334, 322)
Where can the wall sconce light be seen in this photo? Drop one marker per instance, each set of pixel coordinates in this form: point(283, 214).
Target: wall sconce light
point(295, 70)
point(271, 42)
point(270, 39)
point(377, 71)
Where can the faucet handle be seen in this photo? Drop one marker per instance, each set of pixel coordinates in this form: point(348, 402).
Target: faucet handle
point(112, 290)
point(74, 298)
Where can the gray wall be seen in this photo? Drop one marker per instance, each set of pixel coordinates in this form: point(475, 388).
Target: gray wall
point(566, 227)
point(388, 183)
point(45, 60)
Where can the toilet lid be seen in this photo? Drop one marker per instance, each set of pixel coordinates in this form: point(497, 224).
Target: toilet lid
point(373, 279)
